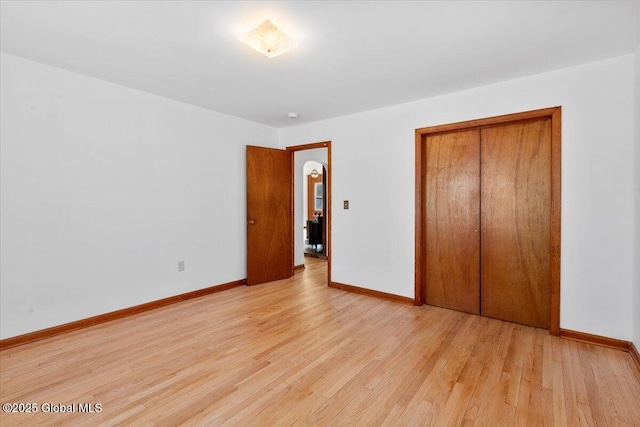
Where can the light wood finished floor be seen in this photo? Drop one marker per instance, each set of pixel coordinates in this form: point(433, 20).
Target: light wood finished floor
point(295, 352)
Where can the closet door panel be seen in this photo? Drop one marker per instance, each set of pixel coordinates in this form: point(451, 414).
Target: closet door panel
point(515, 222)
point(452, 220)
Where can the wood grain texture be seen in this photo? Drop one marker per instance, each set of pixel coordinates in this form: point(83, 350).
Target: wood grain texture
point(324, 210)
point(633, 350)
point(595, 339)
point(419, 220)
point(329, 211)
point(299, 353)
point(452, 260)
point(309, 146)
point(490, 121)
point(515, 222)
point(371, 293)
point(269, 215)
point(114, 315)
point(554, 114)
point(554, 262)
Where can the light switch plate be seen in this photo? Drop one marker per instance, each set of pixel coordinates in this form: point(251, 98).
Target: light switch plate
point(345, 204)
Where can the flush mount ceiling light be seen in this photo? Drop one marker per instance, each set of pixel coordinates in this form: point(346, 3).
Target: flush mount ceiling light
point(314, 173)
point(268, 39)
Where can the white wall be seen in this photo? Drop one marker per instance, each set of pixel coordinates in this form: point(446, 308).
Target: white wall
point(300, 158)
point(104, 189)
point(636, 211)
point(597, 185)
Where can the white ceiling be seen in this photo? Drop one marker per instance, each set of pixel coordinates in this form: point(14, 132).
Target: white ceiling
point(353, 55)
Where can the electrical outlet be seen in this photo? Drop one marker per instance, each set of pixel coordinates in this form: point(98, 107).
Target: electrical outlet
point(180, 265)
point(345, 204)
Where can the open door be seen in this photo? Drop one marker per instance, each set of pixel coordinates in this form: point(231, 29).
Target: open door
point(269, 215)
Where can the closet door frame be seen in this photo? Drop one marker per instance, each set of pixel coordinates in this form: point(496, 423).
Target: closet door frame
point(554, 114)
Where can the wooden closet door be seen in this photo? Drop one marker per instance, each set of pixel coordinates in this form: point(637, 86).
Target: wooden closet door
point(515, 218)
point(452, 220)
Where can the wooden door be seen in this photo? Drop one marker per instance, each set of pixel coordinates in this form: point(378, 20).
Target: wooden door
point(452, 220)
point(515, 222)
point(269, 215)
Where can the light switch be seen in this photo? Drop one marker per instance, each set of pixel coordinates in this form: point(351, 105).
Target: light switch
point(345, 204)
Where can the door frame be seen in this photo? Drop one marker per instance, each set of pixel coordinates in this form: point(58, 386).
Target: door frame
point(554, 114)
point(292, 150)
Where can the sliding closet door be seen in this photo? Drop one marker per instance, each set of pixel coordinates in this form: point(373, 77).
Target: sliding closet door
point(515, 222)
point(452, 220)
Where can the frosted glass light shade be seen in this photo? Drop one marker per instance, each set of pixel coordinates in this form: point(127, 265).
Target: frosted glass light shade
point(268, 39)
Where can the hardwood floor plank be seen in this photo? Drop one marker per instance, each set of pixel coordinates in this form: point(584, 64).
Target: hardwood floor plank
point(582, 397)
point(522, 406)
point(295, 352)
point(586, 419)
point(570, 383)
point(393, 416)
point(559, 405)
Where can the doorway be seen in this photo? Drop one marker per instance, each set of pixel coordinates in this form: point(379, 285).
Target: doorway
point(314, 224)
point(305, 214)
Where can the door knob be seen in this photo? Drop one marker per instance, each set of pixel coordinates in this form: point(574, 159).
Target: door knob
point(251, 222)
